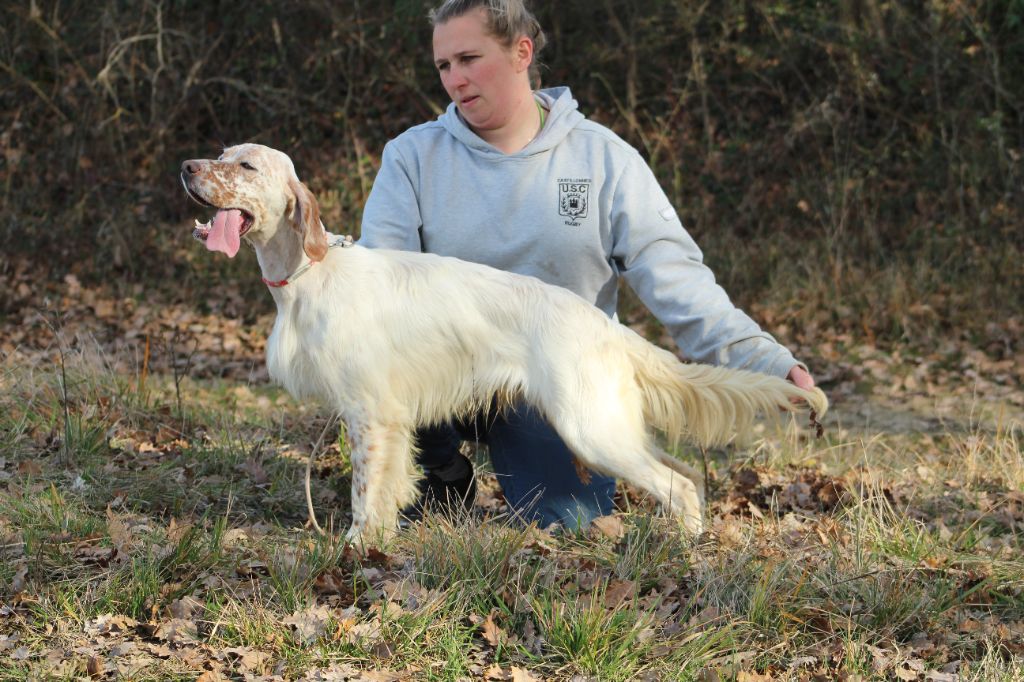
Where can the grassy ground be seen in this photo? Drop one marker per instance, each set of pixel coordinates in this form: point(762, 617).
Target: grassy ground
point(854, 177)
point(153, 527)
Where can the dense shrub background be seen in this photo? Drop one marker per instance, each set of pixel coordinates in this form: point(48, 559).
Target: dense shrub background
point(849, 144)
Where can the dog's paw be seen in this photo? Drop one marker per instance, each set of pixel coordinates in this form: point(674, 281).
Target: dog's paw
point(361, 538)
point(694, 524)
point(354, 537)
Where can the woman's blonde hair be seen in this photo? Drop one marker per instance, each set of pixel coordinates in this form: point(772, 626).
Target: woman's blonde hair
point(506, 21)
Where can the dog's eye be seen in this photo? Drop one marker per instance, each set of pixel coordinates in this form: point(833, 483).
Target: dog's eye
point(247, 166)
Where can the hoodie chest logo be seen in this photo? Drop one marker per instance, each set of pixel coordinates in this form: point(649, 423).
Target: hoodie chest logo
point(573, 199)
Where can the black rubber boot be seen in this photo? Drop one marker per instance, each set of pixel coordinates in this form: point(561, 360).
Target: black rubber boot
point(448, 490)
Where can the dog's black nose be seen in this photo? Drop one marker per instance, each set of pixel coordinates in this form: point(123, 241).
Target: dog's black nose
point(190, 167)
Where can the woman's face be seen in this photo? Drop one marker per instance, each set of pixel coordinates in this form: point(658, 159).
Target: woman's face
point(485, 79)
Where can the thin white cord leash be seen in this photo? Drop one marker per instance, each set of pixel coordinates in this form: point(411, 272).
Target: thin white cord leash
point(309, 468)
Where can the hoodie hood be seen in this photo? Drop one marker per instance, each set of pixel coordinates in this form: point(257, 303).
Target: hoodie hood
point(562, 117)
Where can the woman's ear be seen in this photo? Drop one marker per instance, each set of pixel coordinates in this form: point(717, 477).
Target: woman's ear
point(523, 50)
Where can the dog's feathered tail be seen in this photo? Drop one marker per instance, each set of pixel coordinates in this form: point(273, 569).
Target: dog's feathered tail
point(709, 405)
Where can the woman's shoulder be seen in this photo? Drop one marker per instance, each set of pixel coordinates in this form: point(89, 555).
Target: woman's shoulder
point(412, 145)
point(604, 135)
point(594, 140)
point(418, 134)
point(576, 126)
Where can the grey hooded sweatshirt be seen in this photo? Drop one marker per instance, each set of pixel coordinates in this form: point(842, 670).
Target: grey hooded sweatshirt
point(578, 208)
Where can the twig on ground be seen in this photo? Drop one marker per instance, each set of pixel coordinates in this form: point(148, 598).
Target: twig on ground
point(180, 376)
point(145, 367)
point(707, 476)
point(66, 444)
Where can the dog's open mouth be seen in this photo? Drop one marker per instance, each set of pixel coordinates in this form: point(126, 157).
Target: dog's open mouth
point(225, 230)
point(236, 219)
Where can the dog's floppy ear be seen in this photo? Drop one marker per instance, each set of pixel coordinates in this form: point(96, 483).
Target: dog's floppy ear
point(306, 219)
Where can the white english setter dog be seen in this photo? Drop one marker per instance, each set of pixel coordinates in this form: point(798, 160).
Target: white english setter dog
point(392, 341)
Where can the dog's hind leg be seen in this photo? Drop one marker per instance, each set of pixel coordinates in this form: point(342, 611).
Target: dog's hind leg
point(640, 464)
point(608, 435)
point(681, 468)
point(383, 477)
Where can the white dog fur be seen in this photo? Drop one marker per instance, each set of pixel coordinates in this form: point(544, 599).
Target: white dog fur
point(392, 340)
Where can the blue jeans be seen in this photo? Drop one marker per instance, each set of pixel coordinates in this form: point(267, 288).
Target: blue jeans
point(534, 467)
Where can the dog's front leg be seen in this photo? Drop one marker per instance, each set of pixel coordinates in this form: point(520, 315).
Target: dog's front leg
point(383, 477)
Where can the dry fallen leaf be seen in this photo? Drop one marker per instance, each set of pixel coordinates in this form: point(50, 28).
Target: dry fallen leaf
point(120, 532)
point(176, 531)
point(94, 666)
point(186, 607)
point(495, 672)
point(247, 660)
point(28, 467)
point(751, 676)
point(520, 675)
point(309, 624)
point(609, 526)
point(177, 631)
point(937, 676)
point(618, 591)
point(18, 581)
point(492, 633)
point(8, 641)
point(109, 623)
point(210, 676)
point(254, 471)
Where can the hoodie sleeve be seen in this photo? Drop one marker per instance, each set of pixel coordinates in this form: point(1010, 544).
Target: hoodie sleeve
point(391, 217)
point(664, 266)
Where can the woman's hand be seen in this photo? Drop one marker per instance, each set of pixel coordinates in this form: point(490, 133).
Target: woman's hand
point(801, 378)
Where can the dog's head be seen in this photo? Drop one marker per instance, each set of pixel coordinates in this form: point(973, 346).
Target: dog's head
point(256, 193)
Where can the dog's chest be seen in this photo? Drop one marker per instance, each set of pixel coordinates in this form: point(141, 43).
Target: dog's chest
point(298, 358)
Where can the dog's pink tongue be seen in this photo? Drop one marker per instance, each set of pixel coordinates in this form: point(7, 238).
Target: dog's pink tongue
point(224, 233)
